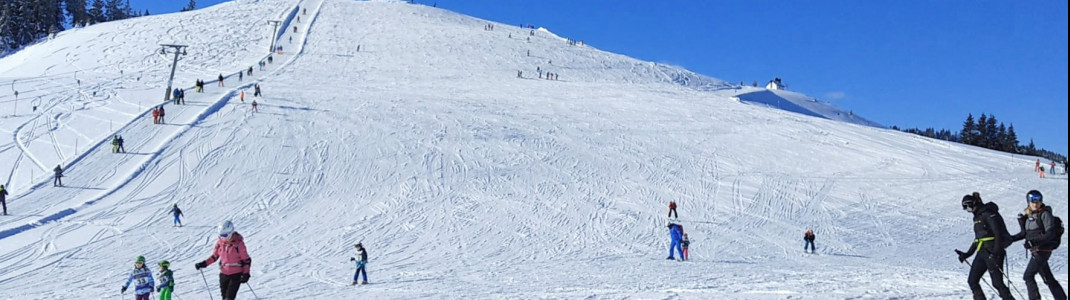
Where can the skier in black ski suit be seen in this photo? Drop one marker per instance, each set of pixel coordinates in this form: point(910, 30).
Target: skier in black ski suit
point(991, 239)
point(1038, 231)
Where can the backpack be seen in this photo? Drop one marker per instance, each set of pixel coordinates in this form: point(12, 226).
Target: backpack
point(1059, 230)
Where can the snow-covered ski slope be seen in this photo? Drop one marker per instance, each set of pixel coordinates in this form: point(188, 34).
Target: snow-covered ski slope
point(462, 180)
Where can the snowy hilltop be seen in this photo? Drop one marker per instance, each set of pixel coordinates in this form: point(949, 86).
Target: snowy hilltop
point(470, 160)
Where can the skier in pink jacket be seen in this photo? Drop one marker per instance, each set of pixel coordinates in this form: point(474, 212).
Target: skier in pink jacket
point(234, 261)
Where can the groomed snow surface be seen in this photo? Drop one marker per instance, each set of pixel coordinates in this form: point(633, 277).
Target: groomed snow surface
point(461, 179)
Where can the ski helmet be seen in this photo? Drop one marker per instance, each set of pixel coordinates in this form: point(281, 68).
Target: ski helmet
point(165, 264)
point(226, 229)
point(1034, 196)
point(140, 259)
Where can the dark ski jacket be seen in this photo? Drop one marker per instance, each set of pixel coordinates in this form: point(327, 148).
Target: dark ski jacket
point(1038, 230)
point(989, 230)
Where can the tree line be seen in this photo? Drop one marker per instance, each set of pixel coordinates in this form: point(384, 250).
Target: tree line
point(23, 22)
point(987, 132)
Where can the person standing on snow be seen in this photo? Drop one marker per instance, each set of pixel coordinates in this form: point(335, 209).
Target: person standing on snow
point(167, 281)
point(155, 115)
point(1041, 237)
point(234, 260)
point(220, 79)
point(242, 96)
point(362, 262)
point(115, 144)
point(255, 109)
point(809, 238)
point(162, 114)
point(676, 233)
point(256, 90)
point(672, 209)
point(141, 276)
point(121, 149)
point(683, 245)
point(59, 174)
point(3, 198)
point(991, 239)
point(177, 213)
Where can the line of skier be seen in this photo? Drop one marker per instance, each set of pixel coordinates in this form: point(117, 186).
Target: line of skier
point(1041, 230)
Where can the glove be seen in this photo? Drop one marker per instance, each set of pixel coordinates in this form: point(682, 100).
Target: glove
point(352, 259)
point(244, 278)
point(200, 265)
point(962, 256)
point(123, 290)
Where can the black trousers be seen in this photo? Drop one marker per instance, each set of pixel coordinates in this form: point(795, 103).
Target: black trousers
point(672, 211)
point(228, 285)
point(1039, 264)
point(993, 264)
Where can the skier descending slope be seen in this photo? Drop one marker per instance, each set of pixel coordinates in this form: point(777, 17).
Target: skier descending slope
point(141, 276)
point(991, 237)
point(362, 262)
point(234, 261)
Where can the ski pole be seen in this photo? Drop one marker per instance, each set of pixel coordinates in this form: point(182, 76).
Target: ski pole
point(206, 286)
point(251, 290)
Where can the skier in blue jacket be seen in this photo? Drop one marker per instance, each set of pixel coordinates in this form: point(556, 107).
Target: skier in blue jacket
point(142, 278)
point(177, 212)
point(676, 233)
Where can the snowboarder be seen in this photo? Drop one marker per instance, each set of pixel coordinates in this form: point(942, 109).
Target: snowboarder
point(220, 79)
point(167, 281)
point(362, 262)
point(3, 198)
point(683, 245)
point(256, 90)
point(115, 144)
point(142, 278)
point(676, 233)
point(991, 239)
point(121, 149)
point(59, 174)
point(1039, 230)
point(234, 260)
point(809, 238)
point(672, 209)
point(178, 214)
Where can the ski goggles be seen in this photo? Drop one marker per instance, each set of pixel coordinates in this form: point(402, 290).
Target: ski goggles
point(1034, 198)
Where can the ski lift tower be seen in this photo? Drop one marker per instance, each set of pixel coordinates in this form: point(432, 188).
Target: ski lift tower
point(178, 49)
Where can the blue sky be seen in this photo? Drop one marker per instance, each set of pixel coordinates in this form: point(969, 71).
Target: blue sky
point(906, 63)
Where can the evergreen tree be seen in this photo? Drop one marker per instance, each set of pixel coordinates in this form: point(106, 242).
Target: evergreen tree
point(980, 134)
point(1012, 140)
point(76, 10)
point(968, 128)
point(8, 25)
point(1031, 149)
point(96, 12)
point(992, 133)
point(191, 6)
point(146, 12)
point(113, 10)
